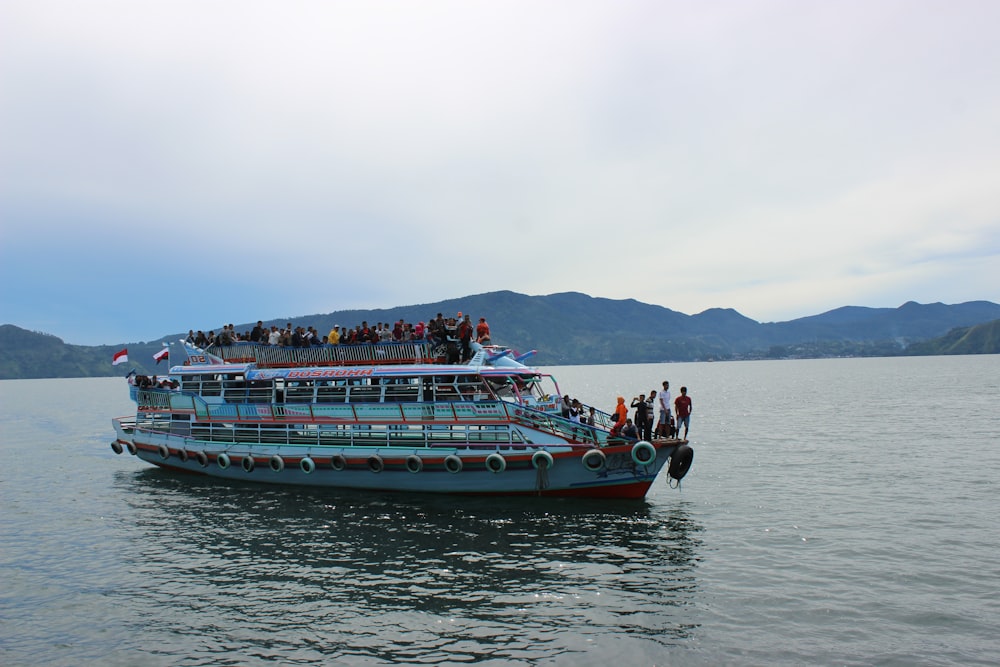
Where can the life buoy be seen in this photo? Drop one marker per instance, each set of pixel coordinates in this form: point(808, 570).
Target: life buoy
point(130, 446)
point(496, 463)
point(223, 460)
point(247, 463)
point(277, 463)
point(307, 465)
point(116, 447)
point(164, 452)
point(594, 460)
point(643, 453)
point(453, 464)
point(542, 460)
point(183, 455)
point(680, 462)
point(375, 463)
point(338, 462)
point(201, 458)
point(414, 463)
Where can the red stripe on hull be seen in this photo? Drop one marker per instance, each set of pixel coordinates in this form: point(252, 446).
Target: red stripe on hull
point(634, 490)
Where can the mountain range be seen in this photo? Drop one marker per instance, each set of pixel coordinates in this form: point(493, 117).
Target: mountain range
point(574, 328)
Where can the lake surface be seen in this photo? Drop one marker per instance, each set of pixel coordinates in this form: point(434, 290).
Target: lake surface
point(840, 511)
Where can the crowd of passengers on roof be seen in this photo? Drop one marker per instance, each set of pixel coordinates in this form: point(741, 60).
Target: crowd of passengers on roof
point(437, 330)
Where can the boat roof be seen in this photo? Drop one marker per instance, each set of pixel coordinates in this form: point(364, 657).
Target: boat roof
point(251, 372)
point(264, 362)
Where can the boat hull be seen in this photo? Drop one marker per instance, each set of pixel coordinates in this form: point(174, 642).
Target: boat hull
point(615, 471)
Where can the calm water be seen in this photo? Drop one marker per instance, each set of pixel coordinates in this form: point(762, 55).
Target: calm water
point(838, 512)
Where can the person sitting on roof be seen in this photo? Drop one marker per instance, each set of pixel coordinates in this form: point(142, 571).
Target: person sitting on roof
point(482, 332)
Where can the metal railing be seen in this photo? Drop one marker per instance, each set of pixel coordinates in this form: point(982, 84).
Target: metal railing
point(423, 416)
point(273, 356)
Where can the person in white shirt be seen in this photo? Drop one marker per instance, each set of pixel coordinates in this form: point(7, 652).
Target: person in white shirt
point(663, 426)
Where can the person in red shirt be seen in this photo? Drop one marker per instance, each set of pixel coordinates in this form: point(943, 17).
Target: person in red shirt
point(482, 331)
point(682, 407)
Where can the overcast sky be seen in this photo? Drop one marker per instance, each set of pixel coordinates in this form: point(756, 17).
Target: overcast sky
point(167, 164)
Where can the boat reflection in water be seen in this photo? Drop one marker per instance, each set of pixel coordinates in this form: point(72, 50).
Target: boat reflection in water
point(327, 575)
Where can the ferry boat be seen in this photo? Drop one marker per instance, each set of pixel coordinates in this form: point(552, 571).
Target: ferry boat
point(383, 416)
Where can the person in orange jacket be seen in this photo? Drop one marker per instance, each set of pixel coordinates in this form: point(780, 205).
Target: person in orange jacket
point(621, 414)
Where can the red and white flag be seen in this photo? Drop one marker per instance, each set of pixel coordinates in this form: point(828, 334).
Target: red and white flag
point(162, 354)
point(120, 357)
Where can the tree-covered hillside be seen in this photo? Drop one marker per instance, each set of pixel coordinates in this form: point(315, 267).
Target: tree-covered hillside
point(573, 328)
point(30, 354)
point(979, 339)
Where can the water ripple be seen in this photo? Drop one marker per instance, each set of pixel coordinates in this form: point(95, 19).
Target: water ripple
point(392, 579)
point(832, 517)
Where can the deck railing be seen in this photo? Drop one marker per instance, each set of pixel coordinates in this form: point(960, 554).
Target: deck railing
point(353, 415)
point(273, 356)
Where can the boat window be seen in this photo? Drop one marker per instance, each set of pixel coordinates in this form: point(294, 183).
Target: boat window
point(402, 390)
point(211, 385)
point(473, 388)
point(191, 383)
point(365, 394)
point(259, 392)
point(502, 387)
point(234, 388)
point(300, 391)
point(446, 392)
point(331, 393)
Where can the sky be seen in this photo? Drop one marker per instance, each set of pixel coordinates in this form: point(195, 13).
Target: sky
point(168, 165)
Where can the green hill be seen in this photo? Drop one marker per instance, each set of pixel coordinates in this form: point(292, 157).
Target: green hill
point(978, 339)
point(30, 354)
point(573, 328)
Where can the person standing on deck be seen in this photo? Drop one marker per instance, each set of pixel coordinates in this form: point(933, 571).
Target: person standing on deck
point(641, 410)
point(647, 428)
point(663, 427)
point(465, 336)
point(565, 405)
point(683, 407)
point(437, 329)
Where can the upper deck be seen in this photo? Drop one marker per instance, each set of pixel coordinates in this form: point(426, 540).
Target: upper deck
point(408, 353)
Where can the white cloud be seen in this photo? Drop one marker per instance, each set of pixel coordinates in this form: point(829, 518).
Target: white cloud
point(777, 157)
